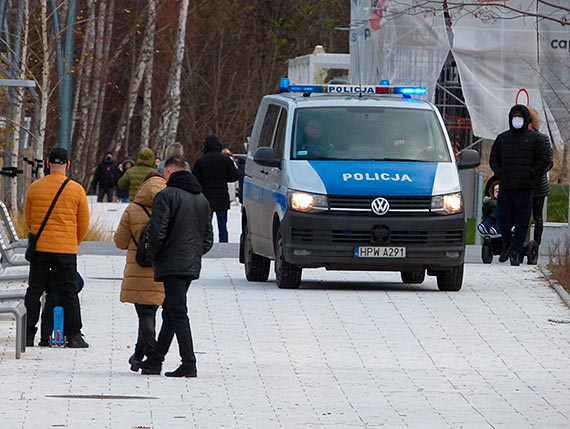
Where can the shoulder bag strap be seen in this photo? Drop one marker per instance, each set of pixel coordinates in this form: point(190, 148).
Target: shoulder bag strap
point(60, 190)
point(148, 214)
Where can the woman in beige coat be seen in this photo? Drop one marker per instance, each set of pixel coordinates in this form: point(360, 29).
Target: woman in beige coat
point(138, 285)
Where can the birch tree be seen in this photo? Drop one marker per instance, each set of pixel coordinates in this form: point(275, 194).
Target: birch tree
point(168, 126)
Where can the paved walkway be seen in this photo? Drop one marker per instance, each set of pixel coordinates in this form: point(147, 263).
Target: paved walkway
point(347, 350)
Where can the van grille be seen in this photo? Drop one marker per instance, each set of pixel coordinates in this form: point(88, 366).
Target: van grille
point(417, 205)
point(355, 236)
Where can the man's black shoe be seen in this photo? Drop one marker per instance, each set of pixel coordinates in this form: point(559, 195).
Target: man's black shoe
point(515, 262)
point(505, 254)
point(44, 342)
point(150, 367)
point(77, 342)
point(183, 371)
point(135, 362)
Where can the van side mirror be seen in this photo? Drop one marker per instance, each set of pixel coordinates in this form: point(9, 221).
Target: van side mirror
point(266, 157)
point(468, 158)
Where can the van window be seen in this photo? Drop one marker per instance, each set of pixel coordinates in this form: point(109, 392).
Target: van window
point(279, 143)
point(372, 133)
point(266, 136)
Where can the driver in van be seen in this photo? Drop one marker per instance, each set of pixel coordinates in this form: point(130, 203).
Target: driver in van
point(311, 142)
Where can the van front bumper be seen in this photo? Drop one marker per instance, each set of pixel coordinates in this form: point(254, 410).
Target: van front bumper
point(434, 242)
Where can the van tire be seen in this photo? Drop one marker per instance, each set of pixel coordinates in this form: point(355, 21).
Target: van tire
point(287, 276)
point(256, 266)
point(451, 280)
point(413, 277)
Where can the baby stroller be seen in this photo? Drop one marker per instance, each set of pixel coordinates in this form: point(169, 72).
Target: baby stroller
point(493, 241)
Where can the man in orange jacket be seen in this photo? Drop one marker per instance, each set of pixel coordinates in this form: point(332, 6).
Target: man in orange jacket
point(57, 245)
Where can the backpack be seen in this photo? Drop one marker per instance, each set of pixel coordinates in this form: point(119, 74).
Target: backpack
point(141, 256)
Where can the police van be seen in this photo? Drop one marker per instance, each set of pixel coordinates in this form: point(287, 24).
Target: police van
point(352, 178)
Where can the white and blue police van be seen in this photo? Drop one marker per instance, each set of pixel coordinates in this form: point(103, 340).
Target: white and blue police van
point(352, 178)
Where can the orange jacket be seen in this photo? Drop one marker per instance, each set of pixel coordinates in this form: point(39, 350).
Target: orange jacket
point(68, 223)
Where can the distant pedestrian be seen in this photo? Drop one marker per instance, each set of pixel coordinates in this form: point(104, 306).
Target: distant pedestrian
point(174, 149)
point(57, 245)
point(123, 194)
point(105, 180)
point(138, 285)
point(180, 233)
point(214, 171)
point(133, 178)
point(541, 186)
point(518, 158)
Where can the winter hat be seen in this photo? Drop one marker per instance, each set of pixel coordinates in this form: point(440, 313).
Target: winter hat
point(212, 144)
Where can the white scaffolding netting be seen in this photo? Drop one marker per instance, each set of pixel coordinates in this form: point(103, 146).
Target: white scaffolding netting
point(503, 57)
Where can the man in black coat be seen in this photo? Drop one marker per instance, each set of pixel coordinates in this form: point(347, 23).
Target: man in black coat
point(214, 171)
point(106, 177)
point(179, 234)
point(518, 158)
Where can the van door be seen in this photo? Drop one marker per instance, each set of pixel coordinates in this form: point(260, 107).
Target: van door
point(259, 189)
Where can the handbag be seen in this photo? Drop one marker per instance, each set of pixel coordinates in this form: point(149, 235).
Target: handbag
point(141, 256)
point(33, 238)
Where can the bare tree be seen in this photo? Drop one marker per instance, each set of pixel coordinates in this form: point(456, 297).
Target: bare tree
point(168, 127)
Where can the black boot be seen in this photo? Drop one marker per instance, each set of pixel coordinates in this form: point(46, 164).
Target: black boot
point(505, 253)
point(183, 371)
point(150, 367)
point(135, 362)
point(515, 261)
point(77, 342)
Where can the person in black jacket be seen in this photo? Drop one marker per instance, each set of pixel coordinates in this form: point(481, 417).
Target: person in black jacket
point(518, 158)
point(214, 171)
point(542, 187)
point(106, 177)
point(179, 234)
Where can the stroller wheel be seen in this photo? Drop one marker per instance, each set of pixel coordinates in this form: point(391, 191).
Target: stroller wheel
point(487, 252)
point(532, 253)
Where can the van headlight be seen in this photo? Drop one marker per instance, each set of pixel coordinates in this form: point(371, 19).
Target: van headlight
point(305, 202)
point(447, 204)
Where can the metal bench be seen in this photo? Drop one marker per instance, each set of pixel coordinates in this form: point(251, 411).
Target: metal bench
point(9, 257)
point(6, 219)
point(18, 310)
point(12, 295)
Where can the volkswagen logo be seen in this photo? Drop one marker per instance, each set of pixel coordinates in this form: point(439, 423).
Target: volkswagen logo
point(380, 206)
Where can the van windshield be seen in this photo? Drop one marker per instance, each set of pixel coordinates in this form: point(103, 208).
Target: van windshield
point(371, 133)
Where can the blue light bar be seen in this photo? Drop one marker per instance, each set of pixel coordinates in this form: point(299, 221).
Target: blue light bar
point(306, 88)
point(407, 91)
point(384, 82)
point(284, 84)
point(410, 90)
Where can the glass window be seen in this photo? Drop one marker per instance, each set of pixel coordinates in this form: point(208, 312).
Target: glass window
point(266, 136)
point(279, 143)
point(368, 133)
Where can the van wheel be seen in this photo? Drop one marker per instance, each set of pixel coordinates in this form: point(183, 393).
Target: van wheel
point(413, 277)
point(287, 276)
point(452, 280)
point(256, 266)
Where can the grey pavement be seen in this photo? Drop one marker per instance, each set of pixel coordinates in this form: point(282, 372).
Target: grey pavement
point(348, 349)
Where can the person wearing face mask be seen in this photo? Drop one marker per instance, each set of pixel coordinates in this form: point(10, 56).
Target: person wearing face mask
point(519, 156)
point(105, 178)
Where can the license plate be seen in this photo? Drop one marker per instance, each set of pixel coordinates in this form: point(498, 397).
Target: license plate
point(379, 252)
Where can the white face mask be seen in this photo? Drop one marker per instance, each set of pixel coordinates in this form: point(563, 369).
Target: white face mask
point(517, 122)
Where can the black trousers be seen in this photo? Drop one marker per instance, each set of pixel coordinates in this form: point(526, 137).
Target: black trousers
point(513, 208)
point(64, 268)
point(175, 321)
point(146, 340)
point(537, 206)
point(109, 192)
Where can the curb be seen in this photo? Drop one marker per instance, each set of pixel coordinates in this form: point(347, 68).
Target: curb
point(565, 296)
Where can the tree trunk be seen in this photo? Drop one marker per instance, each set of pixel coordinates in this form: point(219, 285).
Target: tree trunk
point(83, 96)
point(44, 89)
point(20, 73)
point(147, 91)
point(171, 112)
point(107, 8)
